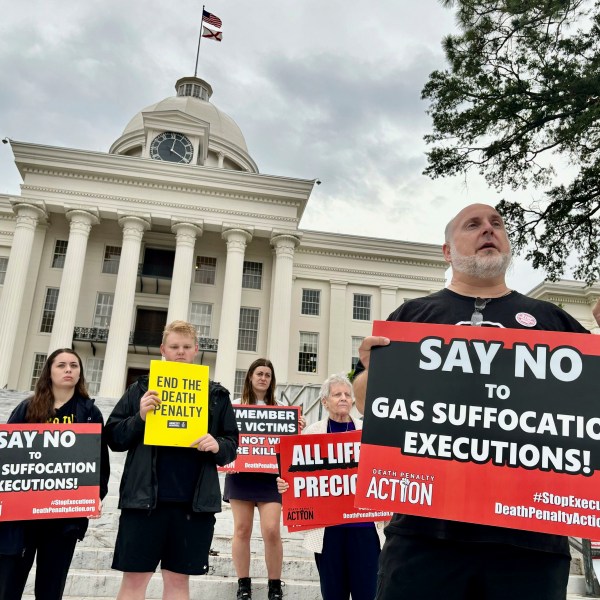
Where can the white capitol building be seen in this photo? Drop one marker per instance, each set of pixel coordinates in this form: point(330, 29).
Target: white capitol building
point(100, 250)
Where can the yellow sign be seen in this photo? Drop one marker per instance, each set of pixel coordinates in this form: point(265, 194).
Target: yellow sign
point(182, 416)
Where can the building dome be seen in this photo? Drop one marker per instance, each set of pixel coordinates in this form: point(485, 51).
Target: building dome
point(190, 110)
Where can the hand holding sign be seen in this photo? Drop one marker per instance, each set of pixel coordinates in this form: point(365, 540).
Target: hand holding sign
point(359, 382)
point(368, 343)
point(148, 402)
point(206, 443)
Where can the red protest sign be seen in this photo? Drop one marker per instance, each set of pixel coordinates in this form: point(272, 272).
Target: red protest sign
point(321, 470)
point(484, 425)
point(49, 471)
point(261, 428)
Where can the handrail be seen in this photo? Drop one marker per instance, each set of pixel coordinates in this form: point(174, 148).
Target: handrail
point(289, 395)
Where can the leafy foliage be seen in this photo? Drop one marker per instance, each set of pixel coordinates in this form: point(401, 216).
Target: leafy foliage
point(523, 86)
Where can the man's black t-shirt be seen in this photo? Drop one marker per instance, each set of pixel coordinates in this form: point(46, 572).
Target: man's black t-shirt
point(514, 311)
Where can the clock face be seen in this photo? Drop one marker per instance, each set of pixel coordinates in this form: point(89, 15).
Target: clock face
point(171, 146)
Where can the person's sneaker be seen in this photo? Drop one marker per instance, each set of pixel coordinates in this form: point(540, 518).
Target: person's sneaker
point(275, 591)
point(244, 589)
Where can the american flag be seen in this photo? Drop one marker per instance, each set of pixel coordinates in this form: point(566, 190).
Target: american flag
point(211, 19)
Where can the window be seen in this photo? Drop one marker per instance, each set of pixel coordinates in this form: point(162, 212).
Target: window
point(38, 364)
point(49, 310)
point(104, 306)
point(93, 374)
point(248, 331)
point(206, 269)
point(356, 342)
point(252, 276)
point(201, 317)
point(3, 266)
point(307, 356)
point(60, 251)
point(311, 301)
point(112, 257)
point(361, 309)
point(158, 263)
point(238, 386)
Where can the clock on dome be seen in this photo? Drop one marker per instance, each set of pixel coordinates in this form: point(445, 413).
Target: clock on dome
point(172, 147)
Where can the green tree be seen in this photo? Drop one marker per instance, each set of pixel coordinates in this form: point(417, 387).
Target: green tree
point(521, 88)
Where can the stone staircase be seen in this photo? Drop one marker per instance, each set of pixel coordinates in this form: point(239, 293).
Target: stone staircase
point(91, 578)
point(90, 575)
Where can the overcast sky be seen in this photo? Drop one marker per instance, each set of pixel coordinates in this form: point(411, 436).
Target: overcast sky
point(326, 89)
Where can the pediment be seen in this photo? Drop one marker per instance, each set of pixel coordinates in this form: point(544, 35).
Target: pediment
point(175, 120)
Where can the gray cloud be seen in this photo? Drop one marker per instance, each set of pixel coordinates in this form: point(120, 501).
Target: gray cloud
point(346, 122)
point(319, 89)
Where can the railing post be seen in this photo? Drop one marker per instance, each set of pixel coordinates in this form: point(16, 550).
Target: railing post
point(591, 583)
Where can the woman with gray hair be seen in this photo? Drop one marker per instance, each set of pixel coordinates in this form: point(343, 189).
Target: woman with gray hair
point(335, 546)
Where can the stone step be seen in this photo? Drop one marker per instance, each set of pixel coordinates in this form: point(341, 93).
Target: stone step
point(30, 597)
point(99, 585)
point(296, 572)
point(296, 568)
point(576, 585)
point(91, 585)
point(220, 544)
point(109, 521)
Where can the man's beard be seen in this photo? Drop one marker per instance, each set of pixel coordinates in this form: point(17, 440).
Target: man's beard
point(481, 266)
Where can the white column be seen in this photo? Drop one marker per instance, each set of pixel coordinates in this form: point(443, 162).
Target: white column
point(388, 301)
point(594, 327)
point(270, 325)
point(278, 349)
point(179, 299)
point(337, 329)
point(221, 158)
point(115, 361)
point(236, 239)
point(15, 281)
point(70, 283)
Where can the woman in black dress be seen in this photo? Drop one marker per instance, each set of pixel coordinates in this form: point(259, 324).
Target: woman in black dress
point(244, 491)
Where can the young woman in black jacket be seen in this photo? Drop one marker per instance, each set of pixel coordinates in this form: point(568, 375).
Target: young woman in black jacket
point(60, 397)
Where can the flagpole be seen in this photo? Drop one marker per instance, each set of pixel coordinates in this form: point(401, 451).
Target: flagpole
point(199, 40)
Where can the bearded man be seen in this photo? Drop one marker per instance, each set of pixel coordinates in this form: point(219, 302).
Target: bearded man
point(425, 558)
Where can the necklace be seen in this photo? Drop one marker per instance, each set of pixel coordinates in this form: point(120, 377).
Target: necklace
point(330, 430)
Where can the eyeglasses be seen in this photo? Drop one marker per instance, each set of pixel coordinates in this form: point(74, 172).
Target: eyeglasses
point(477, 316)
